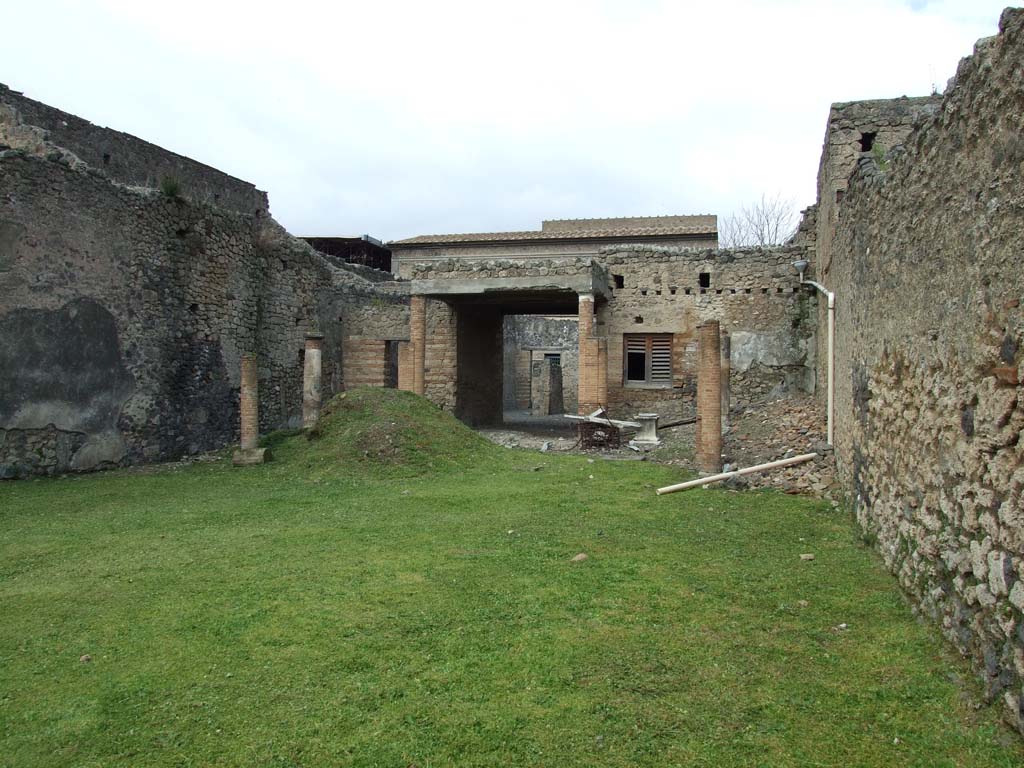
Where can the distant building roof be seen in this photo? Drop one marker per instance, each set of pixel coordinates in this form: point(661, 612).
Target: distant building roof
point(584, 229)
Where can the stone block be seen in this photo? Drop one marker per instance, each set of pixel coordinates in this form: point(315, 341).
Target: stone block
point(247, 456)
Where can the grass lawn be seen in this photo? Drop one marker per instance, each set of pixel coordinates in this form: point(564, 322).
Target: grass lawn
point(398, 592)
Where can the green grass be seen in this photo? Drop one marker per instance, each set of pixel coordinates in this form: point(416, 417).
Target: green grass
point(416, 605)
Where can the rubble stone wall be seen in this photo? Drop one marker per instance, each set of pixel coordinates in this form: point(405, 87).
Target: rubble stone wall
point(408, 259)
point(926, 264)
point(124, 313)
point(120, 156)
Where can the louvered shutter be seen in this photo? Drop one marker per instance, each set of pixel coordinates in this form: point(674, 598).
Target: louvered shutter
point(661, 359)
point(636, 344)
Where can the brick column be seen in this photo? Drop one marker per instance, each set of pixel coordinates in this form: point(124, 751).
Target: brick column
point(312, 392)
point(709, 398)
point(249, 413)
point(726, 369)
point(588, 356)
point(405, 366)
point(418, 339)
point(602, 371)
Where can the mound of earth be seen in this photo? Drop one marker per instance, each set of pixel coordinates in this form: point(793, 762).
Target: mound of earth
point(371, 426)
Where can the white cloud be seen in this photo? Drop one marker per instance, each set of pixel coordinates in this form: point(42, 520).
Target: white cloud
point(403, 118)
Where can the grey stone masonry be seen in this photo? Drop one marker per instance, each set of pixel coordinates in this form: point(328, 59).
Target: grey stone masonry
point(926, 266)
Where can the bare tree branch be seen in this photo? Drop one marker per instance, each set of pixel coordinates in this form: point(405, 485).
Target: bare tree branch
point(771, 221)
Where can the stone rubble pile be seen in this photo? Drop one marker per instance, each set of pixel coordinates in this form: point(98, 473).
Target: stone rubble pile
point(778, 429)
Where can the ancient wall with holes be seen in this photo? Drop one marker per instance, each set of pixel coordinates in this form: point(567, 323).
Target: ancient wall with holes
point(753, 293)
point(124, 312)
point(926, 264)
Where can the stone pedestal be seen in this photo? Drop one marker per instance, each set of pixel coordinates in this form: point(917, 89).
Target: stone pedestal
point(312, 393)
point(249, 408)
point(648, 434)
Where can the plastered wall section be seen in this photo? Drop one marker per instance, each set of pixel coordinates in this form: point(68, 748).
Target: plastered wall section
point(930, 359)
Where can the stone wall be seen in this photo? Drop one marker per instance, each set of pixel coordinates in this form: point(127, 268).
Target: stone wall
point(25, 124)
point(753, 293)
point(857, 129)
point(124, 313)
point(526, 339)
point(409, 260)
point(926, 265)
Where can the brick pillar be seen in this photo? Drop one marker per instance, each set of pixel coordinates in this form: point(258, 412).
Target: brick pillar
point(249, 413)
point(588, 354)
point(726, 369)
point(602, 372)
point(709, 398)
point(312, 392)
point(418, 339)
point(405, 366)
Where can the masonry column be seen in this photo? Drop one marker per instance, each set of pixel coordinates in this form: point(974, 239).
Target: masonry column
point(418, 338)
point(312, 392)
point(588, 354)
point(249, 413)
point(709, 398)
point(726, 370)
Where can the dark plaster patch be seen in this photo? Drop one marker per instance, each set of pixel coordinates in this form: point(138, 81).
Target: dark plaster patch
point(62, 367)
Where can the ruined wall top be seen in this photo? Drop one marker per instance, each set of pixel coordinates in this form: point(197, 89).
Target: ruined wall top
point(857, 129)
point(129, 160)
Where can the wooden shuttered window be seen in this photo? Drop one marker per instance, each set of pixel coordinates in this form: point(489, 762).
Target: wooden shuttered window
point(647, 359)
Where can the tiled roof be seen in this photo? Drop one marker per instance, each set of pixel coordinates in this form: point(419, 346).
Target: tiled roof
point(581, 234)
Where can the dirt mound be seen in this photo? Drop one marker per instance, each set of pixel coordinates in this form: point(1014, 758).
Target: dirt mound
point(387, 429)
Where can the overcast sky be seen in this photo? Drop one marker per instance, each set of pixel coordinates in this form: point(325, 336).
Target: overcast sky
point(397, 119)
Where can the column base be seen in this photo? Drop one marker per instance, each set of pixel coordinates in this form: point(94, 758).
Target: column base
point(245, 456)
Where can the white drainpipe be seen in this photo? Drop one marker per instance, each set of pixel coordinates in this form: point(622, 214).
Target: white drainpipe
point(736, 473)
point(831, 351)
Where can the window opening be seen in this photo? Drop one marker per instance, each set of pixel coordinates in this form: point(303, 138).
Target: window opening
point(867, 140)
point(704, 280)
point(620, 281)
point(648, 358)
